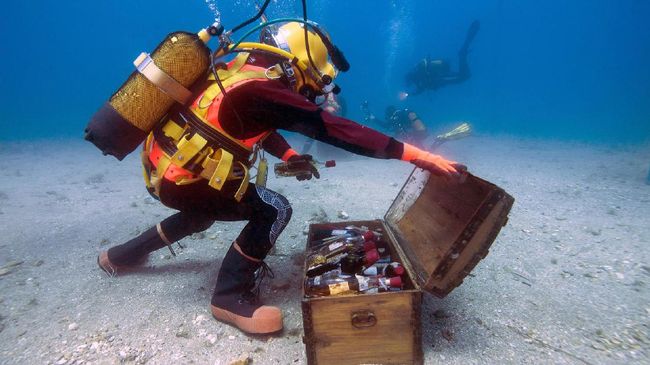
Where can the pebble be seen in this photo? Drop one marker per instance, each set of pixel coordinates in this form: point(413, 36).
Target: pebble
point(182, 332)
point(342, 214)
point(200, 319)
point(6, 269)
point(244, 360)
point(94, 346)
point(73, 326)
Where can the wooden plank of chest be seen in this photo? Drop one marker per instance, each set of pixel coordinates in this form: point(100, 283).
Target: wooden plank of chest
point(389, 341)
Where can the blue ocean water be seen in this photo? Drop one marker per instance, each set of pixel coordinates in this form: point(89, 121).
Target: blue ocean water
point(553, 69)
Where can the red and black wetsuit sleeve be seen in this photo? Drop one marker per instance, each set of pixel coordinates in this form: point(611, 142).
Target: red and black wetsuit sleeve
point(269, 105)
point(276, 145)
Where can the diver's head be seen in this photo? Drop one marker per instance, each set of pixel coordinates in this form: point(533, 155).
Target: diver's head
point(290, 37)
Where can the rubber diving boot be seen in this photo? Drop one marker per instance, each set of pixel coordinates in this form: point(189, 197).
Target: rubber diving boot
point(131, 253)
point(235, 301)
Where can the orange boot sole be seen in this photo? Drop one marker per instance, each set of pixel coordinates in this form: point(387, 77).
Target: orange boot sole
point(265, 319)
point(106, 264)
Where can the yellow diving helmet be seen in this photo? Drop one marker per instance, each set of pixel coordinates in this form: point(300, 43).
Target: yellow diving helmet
point(318, 53)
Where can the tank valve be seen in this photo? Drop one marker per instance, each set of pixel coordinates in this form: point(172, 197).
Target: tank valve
point(215, 29)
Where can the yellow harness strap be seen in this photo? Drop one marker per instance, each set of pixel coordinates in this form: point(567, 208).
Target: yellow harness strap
point(146, 164)
point(244, 183)
point(217, 165)
point(173, 130)
point(238, 63)
point(188, 148)
point(217, 168)
point(213, 91)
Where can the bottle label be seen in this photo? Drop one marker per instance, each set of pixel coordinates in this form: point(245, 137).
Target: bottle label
point(371, 271)
point(339, 288)
point(334, 246)
point(363, 282)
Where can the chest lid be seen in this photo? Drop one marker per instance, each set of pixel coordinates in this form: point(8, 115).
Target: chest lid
point(445, 229)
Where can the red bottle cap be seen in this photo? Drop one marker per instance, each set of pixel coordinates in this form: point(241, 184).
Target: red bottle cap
point(369, 245)
point(330, 163)
point(394, 269)
point(368, 235)
point(395, 282)
point(371, 257)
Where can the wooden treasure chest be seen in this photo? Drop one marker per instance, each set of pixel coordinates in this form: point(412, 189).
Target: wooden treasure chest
point(438, 232)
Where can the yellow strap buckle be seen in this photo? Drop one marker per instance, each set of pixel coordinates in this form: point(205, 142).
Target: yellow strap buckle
point(173, 130)
point(187, 149)
point(217, 168)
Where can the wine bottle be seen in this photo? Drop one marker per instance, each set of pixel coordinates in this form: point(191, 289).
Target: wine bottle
point(326, 251)
point(385, 269)
point(352, 233)
point(287, 169)
point(356, 261)
point(320, 286)
point(393, 269)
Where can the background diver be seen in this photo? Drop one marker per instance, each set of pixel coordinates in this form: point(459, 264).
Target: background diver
point(432, 74)
point(401, 123)
point(266, 94)
point(406, 125)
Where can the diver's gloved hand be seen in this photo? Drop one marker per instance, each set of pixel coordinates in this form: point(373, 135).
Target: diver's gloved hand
point(304, 164)
point(435, 164)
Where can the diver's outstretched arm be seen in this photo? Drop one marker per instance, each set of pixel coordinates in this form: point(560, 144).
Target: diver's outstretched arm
point(277, 146)
point(277, 107)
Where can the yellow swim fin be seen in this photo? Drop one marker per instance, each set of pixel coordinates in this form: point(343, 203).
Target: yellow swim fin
point(462, 131)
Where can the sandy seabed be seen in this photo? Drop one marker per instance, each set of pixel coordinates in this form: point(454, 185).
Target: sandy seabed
point(566, 282)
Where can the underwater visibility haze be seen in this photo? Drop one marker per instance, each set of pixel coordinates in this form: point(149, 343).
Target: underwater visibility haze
point(557, 69)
